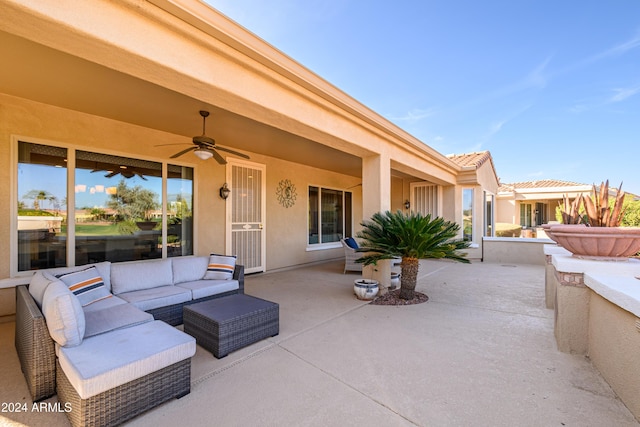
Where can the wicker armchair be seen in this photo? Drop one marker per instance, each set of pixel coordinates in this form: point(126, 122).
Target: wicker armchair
point(350, 257)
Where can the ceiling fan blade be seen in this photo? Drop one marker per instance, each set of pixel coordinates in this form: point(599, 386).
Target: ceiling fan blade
point(232, 152)
point(166, 145)
point(218, 157)
point(140, 175)
point(186, 150)
point(204, 140)
point(111, 174)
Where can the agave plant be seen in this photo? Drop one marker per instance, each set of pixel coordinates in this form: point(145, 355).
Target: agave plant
point(571, 210)
point(599, 211)
point(411, 237)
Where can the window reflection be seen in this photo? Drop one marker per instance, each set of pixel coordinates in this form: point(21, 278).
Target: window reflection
point(42, 210)
point(329, 215)
point(467, 214)
point(179, 211)
point(118, 209)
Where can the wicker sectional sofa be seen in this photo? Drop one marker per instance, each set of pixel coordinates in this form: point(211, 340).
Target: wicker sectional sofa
point(101, 336)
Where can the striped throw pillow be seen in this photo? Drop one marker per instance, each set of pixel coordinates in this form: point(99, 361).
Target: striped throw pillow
point(220, 267)
point(87, 285)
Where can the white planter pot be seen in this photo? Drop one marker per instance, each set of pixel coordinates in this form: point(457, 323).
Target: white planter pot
point(395, 280)
point(365, 289)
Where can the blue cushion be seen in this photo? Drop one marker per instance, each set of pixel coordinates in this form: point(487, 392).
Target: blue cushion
point(351, 242)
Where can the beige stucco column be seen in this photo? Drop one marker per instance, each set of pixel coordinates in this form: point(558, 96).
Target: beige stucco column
point(376, 184)
point(376, 197)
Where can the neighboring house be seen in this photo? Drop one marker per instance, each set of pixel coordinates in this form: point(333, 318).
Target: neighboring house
point(98, 98)
point(478, 180)
point(533, 203)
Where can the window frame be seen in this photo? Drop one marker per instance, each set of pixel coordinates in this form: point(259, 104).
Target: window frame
point(71, 199)
point(347, 219)
point(472, 215)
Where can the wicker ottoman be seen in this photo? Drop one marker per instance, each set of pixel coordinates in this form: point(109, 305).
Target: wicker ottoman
point(226, 324)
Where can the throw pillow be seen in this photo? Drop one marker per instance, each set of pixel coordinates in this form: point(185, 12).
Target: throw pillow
point(351, 242)
point(64, 315)
point(87, 285)
point(220, 267)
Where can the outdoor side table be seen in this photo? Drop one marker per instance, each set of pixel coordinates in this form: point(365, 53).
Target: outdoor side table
point(226, 324)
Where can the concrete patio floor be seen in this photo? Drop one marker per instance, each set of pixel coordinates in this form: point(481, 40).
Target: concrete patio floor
point(480, 352)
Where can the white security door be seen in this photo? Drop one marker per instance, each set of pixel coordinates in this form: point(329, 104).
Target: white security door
point(245, 214)
point(425, 198)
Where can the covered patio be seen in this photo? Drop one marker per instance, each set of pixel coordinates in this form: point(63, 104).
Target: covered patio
point(480, 352)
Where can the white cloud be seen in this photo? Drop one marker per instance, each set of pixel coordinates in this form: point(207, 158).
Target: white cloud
point(622, 48)
point(415, 115)
point(624, 93)
point(537, 77)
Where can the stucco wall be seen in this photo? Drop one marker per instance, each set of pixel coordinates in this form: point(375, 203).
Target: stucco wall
point(614, 350)
point(506, 211)
point(286, 228)
point(514, 250)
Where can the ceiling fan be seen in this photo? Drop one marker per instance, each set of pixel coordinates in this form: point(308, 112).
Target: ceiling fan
point(125, 171)
point(205, 147)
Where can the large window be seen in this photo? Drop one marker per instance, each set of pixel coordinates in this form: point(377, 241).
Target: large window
point(329, 215)
point(42, 206)
point(488, 214)
point(117, 212)
point(467, 214)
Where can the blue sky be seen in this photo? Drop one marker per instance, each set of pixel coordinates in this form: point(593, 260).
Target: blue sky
point(550, 88)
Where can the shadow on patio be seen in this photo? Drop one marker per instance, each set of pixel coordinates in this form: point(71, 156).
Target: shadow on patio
point(481, 351)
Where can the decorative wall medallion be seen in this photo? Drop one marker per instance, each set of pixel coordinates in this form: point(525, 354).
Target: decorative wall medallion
point(286, 193)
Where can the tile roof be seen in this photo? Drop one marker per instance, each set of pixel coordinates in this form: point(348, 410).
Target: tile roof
point(471, 159)
point(542, 183)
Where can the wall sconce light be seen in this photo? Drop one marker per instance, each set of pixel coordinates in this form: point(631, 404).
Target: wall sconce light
point(407, 205)
point(224, 191)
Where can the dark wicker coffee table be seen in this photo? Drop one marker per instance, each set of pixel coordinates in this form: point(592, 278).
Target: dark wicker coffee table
point(226, 324)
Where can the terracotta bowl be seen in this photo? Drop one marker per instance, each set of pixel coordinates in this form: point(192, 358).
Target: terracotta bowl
point(549, 233)
point(615, 243)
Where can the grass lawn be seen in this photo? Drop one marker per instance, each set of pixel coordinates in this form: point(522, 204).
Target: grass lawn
point(97, 229)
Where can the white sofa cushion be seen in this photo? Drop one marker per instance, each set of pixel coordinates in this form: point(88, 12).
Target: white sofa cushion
point(220, 267)
point(106, 361)
point(37, 286)
point(64, 315)
point(139, 275)
point(87, 285)
point(189, 269)
point(104, 304)
point(162, 296)
point(112, 318)
point(207, 288)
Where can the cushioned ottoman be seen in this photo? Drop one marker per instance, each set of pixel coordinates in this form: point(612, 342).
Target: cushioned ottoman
point(229, 323)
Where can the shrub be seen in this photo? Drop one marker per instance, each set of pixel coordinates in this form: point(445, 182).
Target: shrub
point(504, 229)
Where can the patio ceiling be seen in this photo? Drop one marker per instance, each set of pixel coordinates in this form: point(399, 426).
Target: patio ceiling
point(39, 73)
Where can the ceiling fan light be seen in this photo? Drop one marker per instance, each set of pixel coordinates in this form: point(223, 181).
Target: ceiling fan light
point(203, 154)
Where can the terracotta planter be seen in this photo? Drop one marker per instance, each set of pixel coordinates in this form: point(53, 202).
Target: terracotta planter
point(613, 243)
point(549, 233)
point(146, 225)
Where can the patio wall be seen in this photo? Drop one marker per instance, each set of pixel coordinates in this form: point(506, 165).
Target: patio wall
point(514, 250)
point(597, 314)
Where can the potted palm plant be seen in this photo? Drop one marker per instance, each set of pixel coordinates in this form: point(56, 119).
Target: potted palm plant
point(602, 237)
point(411, 237)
